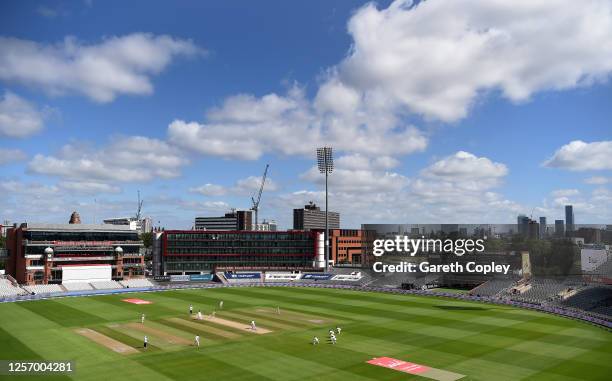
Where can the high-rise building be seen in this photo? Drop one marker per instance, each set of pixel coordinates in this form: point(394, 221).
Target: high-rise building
point(522, 223)
point(312, 217)
point(559, 228)
point(542, 227)
point(569, 219)
point(235, 220)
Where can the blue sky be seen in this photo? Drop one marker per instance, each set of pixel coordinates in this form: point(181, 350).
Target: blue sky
point(438, 112)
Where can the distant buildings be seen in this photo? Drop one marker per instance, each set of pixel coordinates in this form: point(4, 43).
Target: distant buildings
point(348, 246)
point(312, 217)
point(266, 226)
point(543, 227)
point(142, 226)
point(235, 220)
point(522, 223)
point(559, 228)
point(569, 219)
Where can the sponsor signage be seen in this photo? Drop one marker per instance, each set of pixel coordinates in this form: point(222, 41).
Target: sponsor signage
point(179, 278)
point(162, 278)
point(317, 276)
point(242, 275)
point(201, 278)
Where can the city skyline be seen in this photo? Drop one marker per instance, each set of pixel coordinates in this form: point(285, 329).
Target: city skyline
point(190, 112)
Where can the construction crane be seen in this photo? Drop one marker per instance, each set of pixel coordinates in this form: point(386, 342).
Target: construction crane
point(139, 210)
point(255, 207)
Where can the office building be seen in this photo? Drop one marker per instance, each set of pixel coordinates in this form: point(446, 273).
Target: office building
point(312, 217)
point(235, 220)
point(266, 226)
point(569, 219)
point(141, 226)
point(348, 246)
point(559, 228)
point(523, 225)
point(543, 227)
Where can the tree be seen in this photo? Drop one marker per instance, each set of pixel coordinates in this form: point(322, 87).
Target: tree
point(147, 239)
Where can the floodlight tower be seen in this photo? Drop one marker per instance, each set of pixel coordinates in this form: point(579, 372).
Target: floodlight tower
point(325, 161)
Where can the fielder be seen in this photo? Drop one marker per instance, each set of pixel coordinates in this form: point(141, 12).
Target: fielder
point(253, 327)
point(315, 341)
point(142, 317)
point(190, 309)
point(146, 341)
point(333, 339)
point(197, 341)
point(200, 315)
point(221, 305)
point(339, 330)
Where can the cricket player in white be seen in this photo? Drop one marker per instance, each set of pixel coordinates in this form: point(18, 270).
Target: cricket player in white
point(253, 327)
point(333, 339)
point(315, 341)
point(146, 341)
point(142, 317)
point(277, 310)
point(199, 315)
point(338, 329)
point(197, 341)
point(221, 305)
point(190, 309)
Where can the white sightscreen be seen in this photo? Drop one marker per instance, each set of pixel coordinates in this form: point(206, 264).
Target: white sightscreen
point(72, 274)
point(592, 258)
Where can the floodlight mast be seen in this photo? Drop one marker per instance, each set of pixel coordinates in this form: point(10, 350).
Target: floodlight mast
point(325, 161)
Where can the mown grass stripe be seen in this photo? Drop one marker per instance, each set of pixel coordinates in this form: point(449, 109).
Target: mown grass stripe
point(192, 330)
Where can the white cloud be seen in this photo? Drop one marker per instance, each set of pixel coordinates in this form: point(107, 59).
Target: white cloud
point(125, 159)
point(246, 127)
point(209, 190)
point(243, 187)
point(597, 180)
point(11, 155)
point(434, 58)
point(116, 65)
point(582, 156)
point(466, 166)
point(18, 117)
point(88, 187)
point(565, 192)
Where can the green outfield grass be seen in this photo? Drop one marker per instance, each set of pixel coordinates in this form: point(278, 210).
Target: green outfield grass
point(480, 341)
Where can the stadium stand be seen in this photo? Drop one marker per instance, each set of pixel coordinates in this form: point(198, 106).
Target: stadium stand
point(8, 287)
point(493, 287)
point(106, 285)
point(80, 286)
point(597, 299)
point(135, 283)
point(44, 289)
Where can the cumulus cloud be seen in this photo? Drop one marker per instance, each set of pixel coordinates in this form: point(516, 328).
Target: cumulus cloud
point(597, 180)
point(435, 57)
point(209, 190)
point(88, 187)
point(11, 155)
point(565, 192)
point(102, 71)
point(18, 117)
point(242, 187)
point(246, 127)
point(581, 156)
point(463, 170)
point(125, 159)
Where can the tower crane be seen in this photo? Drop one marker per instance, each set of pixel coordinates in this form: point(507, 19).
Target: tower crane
point(255, 207)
